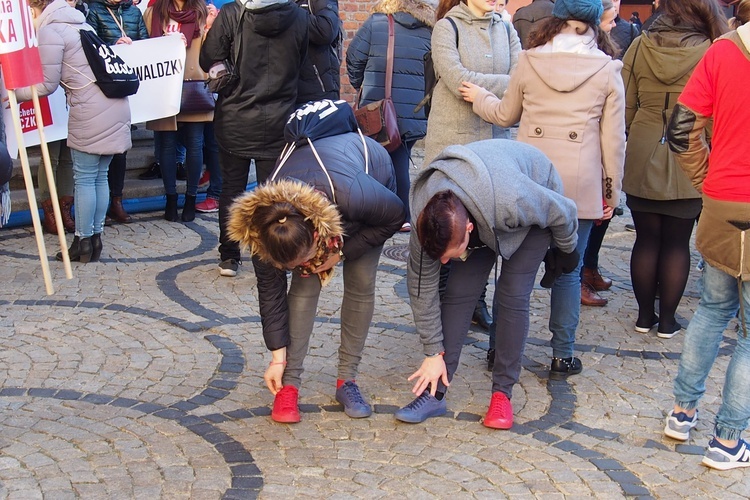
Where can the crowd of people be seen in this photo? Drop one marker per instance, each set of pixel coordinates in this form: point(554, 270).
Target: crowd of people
point(602, 107)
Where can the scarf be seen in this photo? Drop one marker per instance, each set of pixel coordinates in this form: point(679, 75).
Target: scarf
point(326, 248)
point(187, 19)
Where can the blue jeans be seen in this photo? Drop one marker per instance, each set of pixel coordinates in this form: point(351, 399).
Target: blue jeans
point(565, 305)
point(400, 159)
point(720, 301)
point(211, 158)
point(192, 134)
point(91, 191)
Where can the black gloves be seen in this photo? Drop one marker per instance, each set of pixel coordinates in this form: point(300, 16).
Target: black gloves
point(557, 262)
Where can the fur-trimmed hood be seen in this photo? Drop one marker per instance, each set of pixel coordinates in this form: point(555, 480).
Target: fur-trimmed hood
point(421, 10)
point(311, 203)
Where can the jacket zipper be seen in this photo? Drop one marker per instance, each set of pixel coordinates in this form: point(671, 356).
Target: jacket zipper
point(317, 75)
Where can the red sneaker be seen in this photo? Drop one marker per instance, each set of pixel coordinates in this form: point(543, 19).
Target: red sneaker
point(500, 414)
point(285, 409)
point(208, 205)
point(205, 180)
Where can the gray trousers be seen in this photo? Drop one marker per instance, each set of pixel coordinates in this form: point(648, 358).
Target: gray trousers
point(357, 308)
point(510, 306)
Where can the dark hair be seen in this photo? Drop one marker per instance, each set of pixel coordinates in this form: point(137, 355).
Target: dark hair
point(39, 4)
point(441, 221)
point(742, 13)
point(162, 7)
point(444, 6)
point(285, 233)
point(704, 15)
point(547, 28)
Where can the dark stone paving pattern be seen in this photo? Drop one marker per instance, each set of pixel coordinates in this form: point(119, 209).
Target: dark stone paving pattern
point(142, 378)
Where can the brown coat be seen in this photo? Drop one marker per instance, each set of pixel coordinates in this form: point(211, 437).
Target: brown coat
point(571, 105)
point(192, 72)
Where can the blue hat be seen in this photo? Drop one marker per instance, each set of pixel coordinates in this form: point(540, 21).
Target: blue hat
point(589, 11)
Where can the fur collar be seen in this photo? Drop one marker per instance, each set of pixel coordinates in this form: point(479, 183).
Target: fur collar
point(323, 214)
point(422, 10)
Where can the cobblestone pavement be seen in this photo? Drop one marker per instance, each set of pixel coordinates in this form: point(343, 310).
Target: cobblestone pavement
point(142, 378)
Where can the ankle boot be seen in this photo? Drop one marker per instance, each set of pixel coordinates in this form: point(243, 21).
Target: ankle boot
point(170, 211)
point(117, 212)
point(482, 317)
point(96, 247)
point(66, 209)
point(593, 278)
point(80, 250)
point(48, 221)
point(188, 210)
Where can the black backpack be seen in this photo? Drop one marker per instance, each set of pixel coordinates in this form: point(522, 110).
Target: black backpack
point(430, 78)
point(113, 76)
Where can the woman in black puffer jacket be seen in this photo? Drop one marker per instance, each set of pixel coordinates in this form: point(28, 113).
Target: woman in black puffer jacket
point(366, 62)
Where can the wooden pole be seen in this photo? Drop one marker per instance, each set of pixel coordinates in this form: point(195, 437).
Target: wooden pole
point(30, 192)
point(51, 183)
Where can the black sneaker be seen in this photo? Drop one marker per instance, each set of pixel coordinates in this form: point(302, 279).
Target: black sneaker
point(563, 367)
point(490, 360)
point(153, 172)
point(181, 172)
point(229, 268)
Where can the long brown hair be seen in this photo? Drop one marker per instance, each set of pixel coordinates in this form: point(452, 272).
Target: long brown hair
point(444, 6)
point(284, 232)
point(199, 6)
point(547, 28)
point(742, 14)
point(704, 15)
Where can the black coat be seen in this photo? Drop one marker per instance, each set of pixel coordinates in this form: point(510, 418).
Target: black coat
point(320, 76)
point(623, 35)
point(249, 122)
point(366, 62)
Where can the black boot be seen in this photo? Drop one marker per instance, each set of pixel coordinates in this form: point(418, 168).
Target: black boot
point(153, 172)
point(80, 250)
point(482, 317)
point(188, 210)
point(96, 247)
point(490, 360)
point(170, 211)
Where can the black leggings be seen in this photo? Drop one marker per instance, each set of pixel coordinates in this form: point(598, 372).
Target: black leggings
point(660, 262)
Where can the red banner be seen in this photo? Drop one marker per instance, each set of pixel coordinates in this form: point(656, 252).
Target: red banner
point(28, 117)
point(19, 54)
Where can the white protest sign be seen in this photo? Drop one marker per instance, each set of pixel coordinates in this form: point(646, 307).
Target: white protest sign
point(54, 113)
point(12, 36)
point(160, 65)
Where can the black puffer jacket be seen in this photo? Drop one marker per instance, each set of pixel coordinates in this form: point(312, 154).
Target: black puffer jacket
point(127, 14)
point(366, 60)
point(249, 122)
point(361, 187)
point(320, 76)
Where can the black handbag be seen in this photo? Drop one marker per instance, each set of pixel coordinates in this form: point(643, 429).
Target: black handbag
point(378, 119)
point(196, 97)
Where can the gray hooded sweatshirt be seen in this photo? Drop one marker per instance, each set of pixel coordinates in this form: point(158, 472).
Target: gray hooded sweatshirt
point(507, 187)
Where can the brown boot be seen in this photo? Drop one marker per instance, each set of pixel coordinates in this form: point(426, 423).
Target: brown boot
point(589, 297)
point(595, 280)
point(116, 211)
point(48, 221)
point(66, 211)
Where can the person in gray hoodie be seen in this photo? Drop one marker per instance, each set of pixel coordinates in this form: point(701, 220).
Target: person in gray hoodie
point(474, 203)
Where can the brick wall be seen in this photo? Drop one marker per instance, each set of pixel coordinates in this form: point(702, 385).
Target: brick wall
point(354, 13)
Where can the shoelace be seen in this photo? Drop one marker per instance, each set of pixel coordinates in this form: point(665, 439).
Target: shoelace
point(499, 404)
point(287, 400)
point(353, 394)
point(422, 399)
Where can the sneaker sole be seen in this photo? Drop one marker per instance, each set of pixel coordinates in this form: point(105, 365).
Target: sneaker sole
point(723, 465)
point(497, 425)
point(285, 420)
point(679, 436)
point(644, 329)
point(410, 420)
point(228, 273)
point(663, 335)
point(206, 211)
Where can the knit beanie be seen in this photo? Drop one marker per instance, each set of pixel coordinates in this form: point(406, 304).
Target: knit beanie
point(589, 11)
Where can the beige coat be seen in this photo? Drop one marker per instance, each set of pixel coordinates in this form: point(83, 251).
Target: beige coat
point(570, 100)
point(192, 72)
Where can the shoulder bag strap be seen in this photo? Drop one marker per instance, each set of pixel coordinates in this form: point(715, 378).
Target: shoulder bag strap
point(119, 23)
point(389, 58)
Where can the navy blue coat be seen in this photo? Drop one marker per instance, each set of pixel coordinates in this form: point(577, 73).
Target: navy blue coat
point(366, 61)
